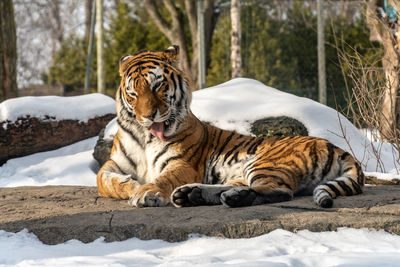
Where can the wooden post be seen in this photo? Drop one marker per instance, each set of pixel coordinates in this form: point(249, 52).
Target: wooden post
point(236, 58)
point(90, 49)
point(321, 54)
point(101, 86)
point(201, 44)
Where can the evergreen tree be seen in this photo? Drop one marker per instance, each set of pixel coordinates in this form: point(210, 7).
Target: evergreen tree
point(70, 65)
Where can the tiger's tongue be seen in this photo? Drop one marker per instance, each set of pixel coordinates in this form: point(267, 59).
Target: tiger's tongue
point(157, 129)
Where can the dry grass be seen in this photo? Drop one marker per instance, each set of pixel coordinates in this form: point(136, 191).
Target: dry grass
point(366, 85)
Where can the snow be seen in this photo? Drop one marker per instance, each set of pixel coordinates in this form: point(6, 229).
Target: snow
point(231, 105)
point(80, 108)
point(70, 165)
point(345, 247)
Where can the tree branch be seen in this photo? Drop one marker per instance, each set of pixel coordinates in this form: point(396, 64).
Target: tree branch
point(158, 20)
point(174, 13)
point(190, 7)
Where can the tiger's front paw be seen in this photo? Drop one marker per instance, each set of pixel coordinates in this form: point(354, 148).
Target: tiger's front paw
point(238, 197)
point(148, 195)
point(187, 196)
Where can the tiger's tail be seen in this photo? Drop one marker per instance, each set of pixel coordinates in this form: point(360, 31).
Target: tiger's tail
point(350, 182)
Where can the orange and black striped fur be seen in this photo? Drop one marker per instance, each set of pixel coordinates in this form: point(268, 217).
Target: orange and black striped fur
point(163, 154)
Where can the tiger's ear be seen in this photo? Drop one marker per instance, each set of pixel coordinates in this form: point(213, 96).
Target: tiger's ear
point(122, 63)
point(171, 54)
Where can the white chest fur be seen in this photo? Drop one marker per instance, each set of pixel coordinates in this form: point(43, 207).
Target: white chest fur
point(157, 157)
point(145, 160)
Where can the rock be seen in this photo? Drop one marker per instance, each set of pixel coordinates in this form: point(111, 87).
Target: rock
point(41, 90)
point(60, 213)
point(278, 126)
point(30, 135)
point(102, 150)
point(376, 181)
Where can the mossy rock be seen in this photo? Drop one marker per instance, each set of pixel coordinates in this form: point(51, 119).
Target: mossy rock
point(281, 126)
point(102, 150)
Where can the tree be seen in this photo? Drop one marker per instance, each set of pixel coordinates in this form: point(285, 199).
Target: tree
point(321, 53)
point(88, 16)
point(384, 23)
point(8, 51)
point(172, 21)
point(57, 30)
point(101, 83)
point(236, 59)
point(69, 65)
point(42, 27)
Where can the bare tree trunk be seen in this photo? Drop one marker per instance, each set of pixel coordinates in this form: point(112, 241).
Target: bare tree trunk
point(174, 30)
point(57, 31)
point(386, 30)
point(321, 53)
point(236, 59)
point(8, 51)
point(101, 84)
point(88, 16)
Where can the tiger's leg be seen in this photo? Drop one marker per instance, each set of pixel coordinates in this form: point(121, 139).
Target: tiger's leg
point(202, 194)
point(350, 182)
point(198, 194)
point(111, 182)
point(158, 192)
point(263, 189)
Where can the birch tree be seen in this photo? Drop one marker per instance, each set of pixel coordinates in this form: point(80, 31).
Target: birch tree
point(236, 59)
point(101, 84)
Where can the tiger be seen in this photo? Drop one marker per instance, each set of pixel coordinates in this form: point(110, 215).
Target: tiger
point(163, 154)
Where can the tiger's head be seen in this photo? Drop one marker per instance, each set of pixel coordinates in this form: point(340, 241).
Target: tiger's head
point(153, 92)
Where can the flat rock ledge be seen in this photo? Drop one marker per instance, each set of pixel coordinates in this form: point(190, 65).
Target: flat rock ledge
point(56, 214)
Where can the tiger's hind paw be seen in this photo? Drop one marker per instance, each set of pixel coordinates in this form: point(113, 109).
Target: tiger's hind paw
point(187, 196)
point(238, 197)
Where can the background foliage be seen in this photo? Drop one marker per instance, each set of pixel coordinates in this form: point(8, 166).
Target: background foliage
point(280, 52)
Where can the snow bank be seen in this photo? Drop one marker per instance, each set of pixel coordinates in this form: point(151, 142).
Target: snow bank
point(345, 247)
point(70, 165)
point(235, 104)
point(80, 108)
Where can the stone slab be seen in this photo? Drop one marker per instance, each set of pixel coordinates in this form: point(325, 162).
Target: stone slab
point(60, 213)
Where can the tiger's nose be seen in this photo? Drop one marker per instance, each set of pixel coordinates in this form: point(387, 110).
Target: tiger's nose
point(151, 116)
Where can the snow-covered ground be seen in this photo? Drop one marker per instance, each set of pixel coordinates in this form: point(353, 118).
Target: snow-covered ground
point(346, 247)
point(231, 105)
point(70, 165)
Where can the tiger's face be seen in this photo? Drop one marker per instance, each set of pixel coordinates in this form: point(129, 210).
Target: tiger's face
point(154, 91)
